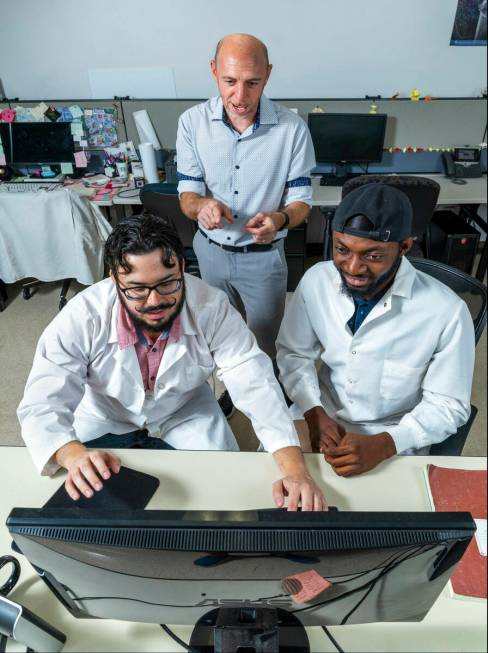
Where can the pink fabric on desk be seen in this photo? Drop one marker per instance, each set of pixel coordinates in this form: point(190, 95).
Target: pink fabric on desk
point(149, 355)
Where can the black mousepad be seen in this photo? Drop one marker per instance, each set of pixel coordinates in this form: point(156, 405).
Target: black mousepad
point(127, 490)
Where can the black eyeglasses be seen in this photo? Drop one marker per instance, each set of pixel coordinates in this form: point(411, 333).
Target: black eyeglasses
point(138, 293)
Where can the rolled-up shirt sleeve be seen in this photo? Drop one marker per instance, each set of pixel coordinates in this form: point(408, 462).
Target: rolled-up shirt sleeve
point(298, 186)
point(189, 170)
point(446, 388)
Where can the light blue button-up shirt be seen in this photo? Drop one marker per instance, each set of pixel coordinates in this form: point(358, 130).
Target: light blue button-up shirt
point(263, 169)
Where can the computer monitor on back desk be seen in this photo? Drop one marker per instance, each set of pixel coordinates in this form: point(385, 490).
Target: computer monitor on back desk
point(31, 145)
point(345, 139)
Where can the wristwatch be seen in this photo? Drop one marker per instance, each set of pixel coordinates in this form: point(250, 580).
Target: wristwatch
point(287, 220)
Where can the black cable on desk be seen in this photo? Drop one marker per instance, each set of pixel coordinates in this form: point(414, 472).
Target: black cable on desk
point(11, 581)
point(7, 587)
point(334, 642)
point(179, 641)
point(134, 193)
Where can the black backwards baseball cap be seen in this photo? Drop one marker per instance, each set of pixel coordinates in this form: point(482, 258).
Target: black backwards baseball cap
point(387, 208)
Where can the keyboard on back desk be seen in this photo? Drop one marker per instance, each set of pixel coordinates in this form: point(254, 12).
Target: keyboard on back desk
point(332, 180)
point(19, 187)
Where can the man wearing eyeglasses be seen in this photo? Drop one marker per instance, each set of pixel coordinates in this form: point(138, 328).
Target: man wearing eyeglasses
point(126, 363)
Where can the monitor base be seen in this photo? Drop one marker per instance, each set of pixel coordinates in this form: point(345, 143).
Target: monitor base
point(331, 179)
point(264, 630)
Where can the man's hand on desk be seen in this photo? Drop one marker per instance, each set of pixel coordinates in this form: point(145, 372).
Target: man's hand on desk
point(359, 453)
point(86, 468)
point(324, 432)
point(297, 484)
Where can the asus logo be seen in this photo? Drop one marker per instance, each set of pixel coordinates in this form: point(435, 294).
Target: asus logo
point(241, 603)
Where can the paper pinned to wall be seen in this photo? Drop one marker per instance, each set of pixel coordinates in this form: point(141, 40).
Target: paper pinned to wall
point(76, 129)
point(38, 111)
point(80, 159)
point(24, 114)
point(135, 82)
point(75, 111)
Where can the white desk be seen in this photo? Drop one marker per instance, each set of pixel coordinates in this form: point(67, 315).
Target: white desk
point(51, 236)
point(469, 195)
point(473, 192)
point(234, 481)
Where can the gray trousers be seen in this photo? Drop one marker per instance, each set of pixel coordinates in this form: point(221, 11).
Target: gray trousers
point(255, 283)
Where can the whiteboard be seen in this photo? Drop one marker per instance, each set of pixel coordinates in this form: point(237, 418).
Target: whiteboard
point(319, 48)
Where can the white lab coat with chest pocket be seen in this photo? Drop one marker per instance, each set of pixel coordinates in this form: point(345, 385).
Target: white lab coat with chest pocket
point(83, 385)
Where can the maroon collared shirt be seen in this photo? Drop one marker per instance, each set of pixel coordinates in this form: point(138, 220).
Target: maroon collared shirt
point(149, 355)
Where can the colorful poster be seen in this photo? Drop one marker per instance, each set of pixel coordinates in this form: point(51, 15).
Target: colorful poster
point(101, 127)
point(470, 23)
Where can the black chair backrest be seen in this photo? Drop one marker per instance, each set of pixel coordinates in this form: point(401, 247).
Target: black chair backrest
point(421, 192)
point(472, 291)
point(162, 199)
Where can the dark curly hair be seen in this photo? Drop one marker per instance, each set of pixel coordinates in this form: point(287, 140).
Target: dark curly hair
point(141, 234)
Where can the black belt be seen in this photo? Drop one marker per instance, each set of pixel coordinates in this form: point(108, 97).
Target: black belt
point(244, 248)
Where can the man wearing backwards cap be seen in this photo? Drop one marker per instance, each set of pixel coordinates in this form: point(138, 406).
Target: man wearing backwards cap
point(396, 347)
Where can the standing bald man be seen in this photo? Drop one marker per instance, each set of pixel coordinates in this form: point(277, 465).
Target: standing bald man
point(244, 166)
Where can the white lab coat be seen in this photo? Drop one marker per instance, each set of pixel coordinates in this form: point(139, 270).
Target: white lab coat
point(407, 370)
point(82, 385)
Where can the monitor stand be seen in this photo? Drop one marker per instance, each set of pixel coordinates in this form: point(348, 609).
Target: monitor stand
point(340, 175)
point(263, 630)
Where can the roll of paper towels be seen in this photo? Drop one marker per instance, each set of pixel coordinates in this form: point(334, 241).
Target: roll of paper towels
point(148, 158)
point(145, 129)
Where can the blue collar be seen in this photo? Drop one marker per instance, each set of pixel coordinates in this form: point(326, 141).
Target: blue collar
point(143, 339)
point(256, 123)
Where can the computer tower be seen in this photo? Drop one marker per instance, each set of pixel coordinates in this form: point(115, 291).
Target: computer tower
point(295, 246)
point(453, 241)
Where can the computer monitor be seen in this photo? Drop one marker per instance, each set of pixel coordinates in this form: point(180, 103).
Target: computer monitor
point(37, 143)
point(347, 138)
point(175, 566)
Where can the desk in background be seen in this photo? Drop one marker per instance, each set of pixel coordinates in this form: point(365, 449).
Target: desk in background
point(51, 236)
point(469, 196)
point(240, 481)
point(473, 192)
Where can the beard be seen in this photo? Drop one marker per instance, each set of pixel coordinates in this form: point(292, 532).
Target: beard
point(371, 289)
point(137, 316)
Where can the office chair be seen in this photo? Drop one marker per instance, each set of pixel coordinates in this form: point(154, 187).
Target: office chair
point(421, 192)
point(162, 199)
point(473, 292)
point(29, 286)
point(27, 292)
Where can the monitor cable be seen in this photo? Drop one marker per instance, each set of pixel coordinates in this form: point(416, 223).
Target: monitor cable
point(334, 641)
point(19, 623)
point(128, 193)
point(7, 587)
point(179, 641)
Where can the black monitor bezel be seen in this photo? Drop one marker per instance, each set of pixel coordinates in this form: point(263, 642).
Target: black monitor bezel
point(275, 530)
point(9, 148)
point(317, 116)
